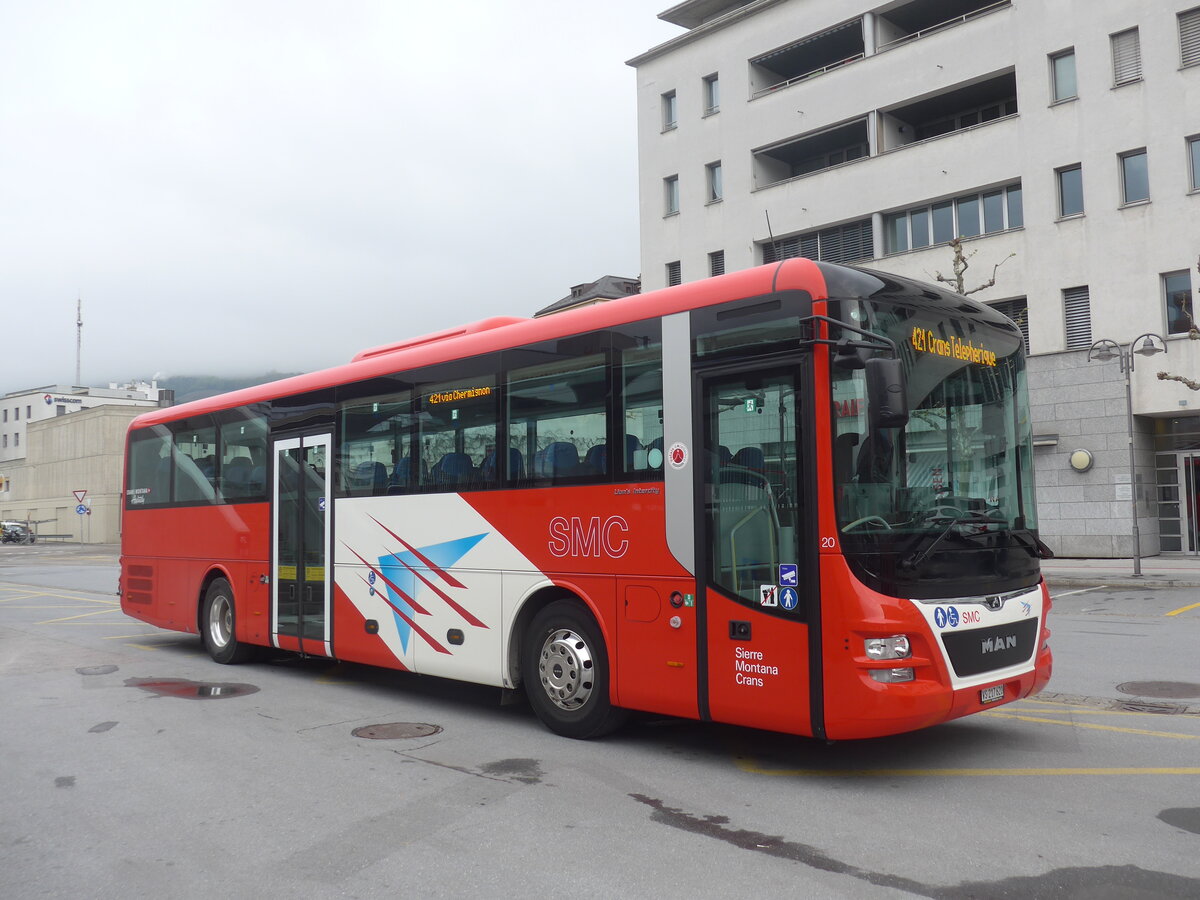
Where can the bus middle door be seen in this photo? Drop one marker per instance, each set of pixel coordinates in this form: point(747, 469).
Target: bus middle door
point(300, 587)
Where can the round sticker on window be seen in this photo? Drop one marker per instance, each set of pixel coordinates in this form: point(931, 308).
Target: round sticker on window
point(677, 456)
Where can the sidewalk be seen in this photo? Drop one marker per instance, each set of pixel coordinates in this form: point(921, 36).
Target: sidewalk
point(1157, 571)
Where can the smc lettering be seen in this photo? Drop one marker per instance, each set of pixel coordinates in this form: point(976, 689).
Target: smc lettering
point(574, 537)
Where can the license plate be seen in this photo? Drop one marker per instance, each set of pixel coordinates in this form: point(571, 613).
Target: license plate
point(991, 694)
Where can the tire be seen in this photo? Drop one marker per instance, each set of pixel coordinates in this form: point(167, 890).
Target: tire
point(564, 667)
point(217, 626)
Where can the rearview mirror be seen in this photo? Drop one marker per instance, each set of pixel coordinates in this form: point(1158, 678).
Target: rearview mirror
point(887, 396)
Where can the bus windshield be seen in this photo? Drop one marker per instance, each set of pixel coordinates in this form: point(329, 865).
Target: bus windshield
point(944, 505)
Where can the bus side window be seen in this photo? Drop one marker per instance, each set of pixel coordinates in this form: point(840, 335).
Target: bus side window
point(376, 446)
point(243, 461)
point(195, 469)
point(640, 381)
point(148, 482)
point(458, 425)
point(558, 413)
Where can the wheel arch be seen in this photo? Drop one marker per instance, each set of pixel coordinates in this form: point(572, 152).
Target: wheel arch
point(214, 572)
point(535, 600)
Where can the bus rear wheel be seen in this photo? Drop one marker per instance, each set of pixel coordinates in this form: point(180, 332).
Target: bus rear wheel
point(217, 626)
point(566, 674)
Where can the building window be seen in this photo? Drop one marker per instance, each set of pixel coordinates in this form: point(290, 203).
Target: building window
point(1018, 311)
point(1189, 37)
point(1127, 57)
point(60, 410)
point(670, 111)
point(1070, 191)
point(967, 216)
point(1062, 76)
point(674, 273)
point(6, 415)
point(842, 243)
point(1135, 177)
point(1077, 310)
point(671, 195)
point(716, 262)
point(17, 439)
point(1194, 162)
point(16, 414)
point(5, 444)
point(713, 178)
point(712, 95)
point(28, 411)
point(1177, 295)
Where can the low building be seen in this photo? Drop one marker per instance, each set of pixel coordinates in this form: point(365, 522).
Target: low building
point(81, 452)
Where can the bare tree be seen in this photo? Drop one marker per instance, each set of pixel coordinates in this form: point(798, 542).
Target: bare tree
point(1193, 333)
point(962, 262)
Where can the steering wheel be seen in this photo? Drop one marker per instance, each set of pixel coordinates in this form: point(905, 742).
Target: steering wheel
point(866, 520)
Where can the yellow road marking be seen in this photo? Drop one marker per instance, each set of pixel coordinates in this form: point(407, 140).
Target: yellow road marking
point(751, 768)
point(65, 619)
point(1183, 609)
point(31, 595)
point(1141, 731)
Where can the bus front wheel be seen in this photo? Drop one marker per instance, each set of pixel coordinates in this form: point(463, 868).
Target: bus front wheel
point(217, 626)
point(565, 671)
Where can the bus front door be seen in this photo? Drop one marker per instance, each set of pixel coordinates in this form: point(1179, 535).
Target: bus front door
point(300, 588)
point(760, 588)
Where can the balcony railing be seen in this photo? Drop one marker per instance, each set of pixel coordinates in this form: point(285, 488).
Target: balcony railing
point(942, 26)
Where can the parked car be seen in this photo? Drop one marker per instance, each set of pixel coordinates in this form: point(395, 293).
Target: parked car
point(16, 533)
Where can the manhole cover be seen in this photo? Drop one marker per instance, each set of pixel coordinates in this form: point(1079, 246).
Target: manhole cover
point(96, 670)
point(1164, 709)
point(394, 731)
point(1170, 690)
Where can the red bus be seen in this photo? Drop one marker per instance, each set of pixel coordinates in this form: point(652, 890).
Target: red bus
point(797, 497)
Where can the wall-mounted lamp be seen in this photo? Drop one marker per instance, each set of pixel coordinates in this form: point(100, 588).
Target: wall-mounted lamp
point(1081, 460)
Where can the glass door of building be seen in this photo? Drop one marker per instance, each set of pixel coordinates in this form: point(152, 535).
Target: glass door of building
point(1179, 502)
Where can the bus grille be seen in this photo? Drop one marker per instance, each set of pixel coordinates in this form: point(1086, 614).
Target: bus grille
point(985, 649)
point(139, 584)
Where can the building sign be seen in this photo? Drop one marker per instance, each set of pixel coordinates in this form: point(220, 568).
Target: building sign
point(50, 400)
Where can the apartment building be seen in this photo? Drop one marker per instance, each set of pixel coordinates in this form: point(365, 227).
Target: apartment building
point(1060, 141)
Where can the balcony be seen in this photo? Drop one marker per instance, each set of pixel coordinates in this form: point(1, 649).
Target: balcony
point(811, 153)
point(961, 107)
point(807, 58)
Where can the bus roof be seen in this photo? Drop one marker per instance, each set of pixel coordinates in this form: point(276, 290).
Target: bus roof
point(499, 333)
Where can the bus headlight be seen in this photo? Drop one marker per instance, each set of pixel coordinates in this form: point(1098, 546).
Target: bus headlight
point(895, 647)
point(892, 676)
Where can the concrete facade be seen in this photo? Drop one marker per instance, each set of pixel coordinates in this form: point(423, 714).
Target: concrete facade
point(19, 409)
point(82, 451)
point(831, 162)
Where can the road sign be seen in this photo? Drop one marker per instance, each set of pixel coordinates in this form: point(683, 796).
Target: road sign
point(79, 495)
point(82, 510)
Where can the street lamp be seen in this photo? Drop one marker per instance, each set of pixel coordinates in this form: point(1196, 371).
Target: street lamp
point(1102, 351)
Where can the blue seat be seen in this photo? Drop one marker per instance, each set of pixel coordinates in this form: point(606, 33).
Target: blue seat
point(453, 468)
point(557, 460)
point(596, 459)
point(369, 477)
point(516, 466)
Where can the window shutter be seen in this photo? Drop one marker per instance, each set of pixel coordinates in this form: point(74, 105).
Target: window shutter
point(716, 262)
point(1077, 308)
point(674, 273)
point(1018, 311)
point(1189, 37)
point(1127, 57)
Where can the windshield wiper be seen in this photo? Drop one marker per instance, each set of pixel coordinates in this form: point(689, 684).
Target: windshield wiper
point(1036, 548)
point(914, 559)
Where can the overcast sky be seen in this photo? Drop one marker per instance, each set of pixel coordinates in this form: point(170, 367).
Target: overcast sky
point(233, 187)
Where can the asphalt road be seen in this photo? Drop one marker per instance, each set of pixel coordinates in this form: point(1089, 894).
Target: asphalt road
point(134, 766)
